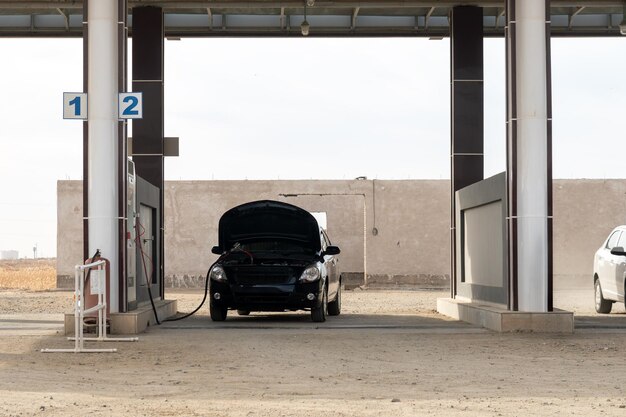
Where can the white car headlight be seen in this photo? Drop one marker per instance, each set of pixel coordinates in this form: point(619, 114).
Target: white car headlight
point(218, 274)
point(310, 274)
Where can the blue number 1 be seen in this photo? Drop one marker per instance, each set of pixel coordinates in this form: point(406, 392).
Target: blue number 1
point(76, 104)
point(130, 110)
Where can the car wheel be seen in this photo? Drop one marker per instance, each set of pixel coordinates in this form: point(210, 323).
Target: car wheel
point(602, 306)
point(319, 314)
point(243, 312)
point(334, 307)
point(218, 313)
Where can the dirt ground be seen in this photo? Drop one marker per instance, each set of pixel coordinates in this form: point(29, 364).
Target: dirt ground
point(434, 366)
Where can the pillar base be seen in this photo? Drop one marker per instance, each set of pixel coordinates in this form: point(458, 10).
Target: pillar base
point(133, 322)
point(501, 320)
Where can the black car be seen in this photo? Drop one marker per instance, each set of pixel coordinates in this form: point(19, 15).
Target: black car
point(273, 257)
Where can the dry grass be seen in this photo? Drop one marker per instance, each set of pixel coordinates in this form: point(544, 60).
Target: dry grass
point(28, 274)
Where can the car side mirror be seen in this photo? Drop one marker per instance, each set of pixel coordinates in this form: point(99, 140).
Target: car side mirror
point(618, 250)
point(332, 250)
point(216, 250)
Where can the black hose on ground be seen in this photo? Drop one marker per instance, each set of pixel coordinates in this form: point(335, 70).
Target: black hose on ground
point(154, 310)
point(145, 274)
point(156, 316)
point(206, 292)
point(206, 289)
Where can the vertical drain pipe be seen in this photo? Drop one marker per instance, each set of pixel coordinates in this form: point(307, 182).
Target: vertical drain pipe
point(102, 180)
point(364, 240)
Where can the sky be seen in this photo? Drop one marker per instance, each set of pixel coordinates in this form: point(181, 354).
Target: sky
point(296, 109)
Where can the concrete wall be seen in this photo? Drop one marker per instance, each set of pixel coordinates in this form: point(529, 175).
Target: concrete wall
point(69, 230)
point(411, 217)
point(9, 255)
point(585, 211)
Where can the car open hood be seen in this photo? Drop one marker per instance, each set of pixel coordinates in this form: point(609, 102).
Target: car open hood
point(268, 220)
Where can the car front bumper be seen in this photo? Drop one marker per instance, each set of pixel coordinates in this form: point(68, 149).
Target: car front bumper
point(267, 297)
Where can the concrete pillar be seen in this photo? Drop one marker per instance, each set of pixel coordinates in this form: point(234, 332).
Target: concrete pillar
point(529, 154)
point(88, 152)
point(467, 126)
point(102, 150)
point(148, 133)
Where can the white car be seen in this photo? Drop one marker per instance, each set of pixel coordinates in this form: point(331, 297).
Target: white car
point(609, 270)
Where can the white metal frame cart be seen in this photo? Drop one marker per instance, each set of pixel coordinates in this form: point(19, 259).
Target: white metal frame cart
point(98, 285)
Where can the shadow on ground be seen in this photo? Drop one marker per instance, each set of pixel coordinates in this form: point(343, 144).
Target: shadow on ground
point(614, 321)
point(303, 321)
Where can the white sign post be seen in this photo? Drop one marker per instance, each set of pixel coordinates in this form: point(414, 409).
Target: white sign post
point(130, 105)
point(75, 106)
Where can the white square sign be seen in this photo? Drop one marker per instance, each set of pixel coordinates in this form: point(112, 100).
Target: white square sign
point(97, 280)
point(75, 106)
point(130, 105)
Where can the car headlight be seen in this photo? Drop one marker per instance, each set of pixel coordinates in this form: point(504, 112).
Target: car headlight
point(310, 274)
point(218, 274)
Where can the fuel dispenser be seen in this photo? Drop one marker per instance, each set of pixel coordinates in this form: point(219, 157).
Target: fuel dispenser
point(131, 238)
point(143, 240)
point(143, 237)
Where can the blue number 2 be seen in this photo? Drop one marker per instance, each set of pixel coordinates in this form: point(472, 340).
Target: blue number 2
point(130, 110)
point(76, 104)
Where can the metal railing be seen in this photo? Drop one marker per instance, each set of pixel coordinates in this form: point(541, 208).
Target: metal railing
point(98, 285)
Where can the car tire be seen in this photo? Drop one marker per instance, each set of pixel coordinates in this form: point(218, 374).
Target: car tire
point(334, 307)
point(218, 313)
point(243, 312)
point(602, 306)
point(318, 314)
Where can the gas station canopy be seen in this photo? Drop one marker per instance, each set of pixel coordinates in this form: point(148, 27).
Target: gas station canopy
point(342, 18)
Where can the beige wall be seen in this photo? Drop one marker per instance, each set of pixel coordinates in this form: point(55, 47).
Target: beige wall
point(585, 211)
point(69, 230)
point(412, 219)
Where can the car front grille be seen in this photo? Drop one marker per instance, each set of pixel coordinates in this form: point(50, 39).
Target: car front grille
point(262, 275)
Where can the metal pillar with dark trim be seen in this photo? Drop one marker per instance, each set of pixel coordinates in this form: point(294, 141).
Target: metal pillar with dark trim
point(467, 125)
point(148, 132)
point(120, 160)
point(529, 154)
point(122, 167)
point(86, 253)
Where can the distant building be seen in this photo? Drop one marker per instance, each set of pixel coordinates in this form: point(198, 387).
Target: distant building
point(9, 254)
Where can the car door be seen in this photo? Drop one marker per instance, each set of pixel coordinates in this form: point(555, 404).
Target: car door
point(331, 265)
point(620, 269)
point(607, 265)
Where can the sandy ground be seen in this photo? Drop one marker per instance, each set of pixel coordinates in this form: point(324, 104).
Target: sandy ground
point(14, 301)
point(579, 301)
point(31, 274)
point(266, 369)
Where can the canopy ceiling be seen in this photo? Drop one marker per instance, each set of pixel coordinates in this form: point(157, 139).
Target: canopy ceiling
point(344, 18)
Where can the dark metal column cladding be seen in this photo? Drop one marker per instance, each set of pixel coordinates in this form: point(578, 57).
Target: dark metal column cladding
point(467, 125)
point(511, 149)
point(549, 129)
point(122, 166)
point(148, 39)
point(86, 253)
